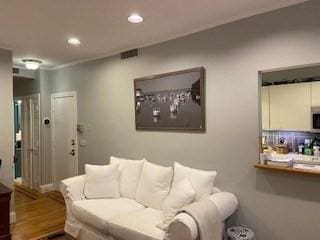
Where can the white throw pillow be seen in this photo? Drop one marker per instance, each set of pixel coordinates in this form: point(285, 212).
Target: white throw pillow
point(101, 181)
point(201, 181)
point(180, 195)
point(130, 171)
point(154, 185)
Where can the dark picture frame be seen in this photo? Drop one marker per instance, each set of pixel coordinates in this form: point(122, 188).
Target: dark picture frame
point(173, 101)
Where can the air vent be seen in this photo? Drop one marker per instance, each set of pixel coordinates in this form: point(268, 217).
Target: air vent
point(129, 54)
point(15, 70)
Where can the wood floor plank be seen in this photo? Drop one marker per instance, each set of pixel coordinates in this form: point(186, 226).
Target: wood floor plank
point(37, 216)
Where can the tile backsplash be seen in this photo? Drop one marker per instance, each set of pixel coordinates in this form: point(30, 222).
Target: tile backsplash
point(292, 138)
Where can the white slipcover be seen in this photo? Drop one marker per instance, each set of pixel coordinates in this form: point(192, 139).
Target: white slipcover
point(201, 181)
point(98, 212)
point(138, 225)
point(93, 220)
point(154, 185)
point(130, 171)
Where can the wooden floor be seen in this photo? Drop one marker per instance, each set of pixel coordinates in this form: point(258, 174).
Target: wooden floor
point(37, 214)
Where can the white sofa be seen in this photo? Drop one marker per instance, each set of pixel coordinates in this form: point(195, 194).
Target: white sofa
point(126, 219)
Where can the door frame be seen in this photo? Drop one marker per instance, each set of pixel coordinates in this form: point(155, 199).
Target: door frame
point(23, 144)
point(61, 95)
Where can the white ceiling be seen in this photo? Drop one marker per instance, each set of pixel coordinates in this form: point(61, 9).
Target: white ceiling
point(39, 28)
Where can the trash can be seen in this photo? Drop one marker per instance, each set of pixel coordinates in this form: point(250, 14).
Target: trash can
point(240, 233)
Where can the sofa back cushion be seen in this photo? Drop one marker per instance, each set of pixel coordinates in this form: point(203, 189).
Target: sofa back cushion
point(130, 171)
point(154, 185)
point(180, 195)
point(201, 181)
point(101, 181)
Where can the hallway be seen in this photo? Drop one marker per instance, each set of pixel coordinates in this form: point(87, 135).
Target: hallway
point(38, 215)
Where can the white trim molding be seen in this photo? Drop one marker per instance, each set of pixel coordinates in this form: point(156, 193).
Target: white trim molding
point(13, 217)
point(46, 188)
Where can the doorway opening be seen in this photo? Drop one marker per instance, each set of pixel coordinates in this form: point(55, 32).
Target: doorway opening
point(27, 159)
point(17, 140)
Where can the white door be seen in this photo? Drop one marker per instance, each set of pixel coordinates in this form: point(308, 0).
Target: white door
point(64, 136)
point(31, 151)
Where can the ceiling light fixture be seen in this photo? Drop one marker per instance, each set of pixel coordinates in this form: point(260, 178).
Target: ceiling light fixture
point(31, 64)
point(135, 18)
point(74, 41)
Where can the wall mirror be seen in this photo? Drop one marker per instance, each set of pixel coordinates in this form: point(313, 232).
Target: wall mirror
point(290, 118)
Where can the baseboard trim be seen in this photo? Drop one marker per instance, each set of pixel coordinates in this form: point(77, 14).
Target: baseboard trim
point(13, 217)
point(46, 188)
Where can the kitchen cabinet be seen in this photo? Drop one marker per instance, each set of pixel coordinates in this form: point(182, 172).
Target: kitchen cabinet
point(290, 107)
point(265, 109)
point(315, 94)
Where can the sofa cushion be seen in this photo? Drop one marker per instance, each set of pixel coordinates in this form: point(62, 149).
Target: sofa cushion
point(101, 181)
point(130, 171)
point(201, 181)
point(154, 185)
point(138, 225)
point(180, 195)
point(98, 212)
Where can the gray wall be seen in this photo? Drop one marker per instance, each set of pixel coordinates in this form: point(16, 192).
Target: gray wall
point(277, 206)
point(44, 77)
point(6, 121)
point(27, 73)
point(292, 74)
point(26, 86)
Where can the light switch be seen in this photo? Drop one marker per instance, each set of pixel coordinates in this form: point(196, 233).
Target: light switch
point(83, 142)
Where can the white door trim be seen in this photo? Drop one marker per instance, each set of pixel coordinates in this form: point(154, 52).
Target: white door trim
point(40, 145)
point(60, 95)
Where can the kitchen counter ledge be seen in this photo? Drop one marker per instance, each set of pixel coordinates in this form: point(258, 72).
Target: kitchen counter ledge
point(288, 170)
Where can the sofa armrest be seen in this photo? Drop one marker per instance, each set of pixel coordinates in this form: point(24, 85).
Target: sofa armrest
point(72, 188)
point(227, 204)
point(184, 226)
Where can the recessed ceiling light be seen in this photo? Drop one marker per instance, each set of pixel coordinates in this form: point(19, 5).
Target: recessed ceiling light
point(74, 41)
point(135, 18)
point(31, 64)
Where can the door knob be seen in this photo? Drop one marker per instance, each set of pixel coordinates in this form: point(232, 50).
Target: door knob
point(72, 152)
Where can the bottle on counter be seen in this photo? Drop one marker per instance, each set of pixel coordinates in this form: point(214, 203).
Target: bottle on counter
point(316, 150)
point(307, 147)
point(301, 148)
